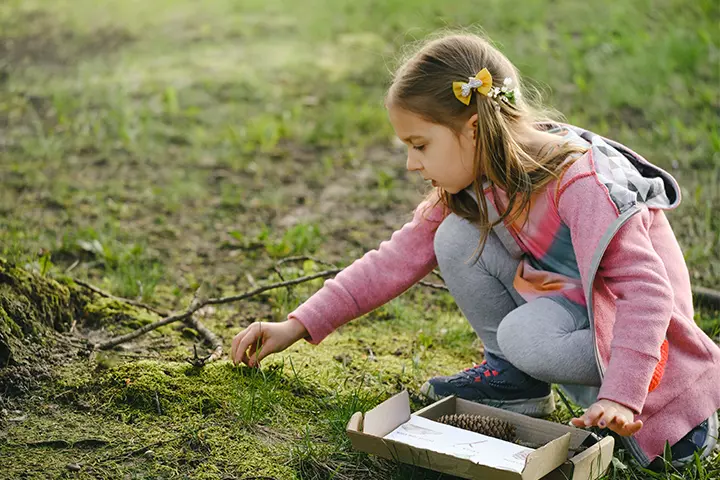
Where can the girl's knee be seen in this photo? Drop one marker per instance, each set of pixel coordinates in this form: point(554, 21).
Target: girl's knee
point(456, 249)
point(455, 240)
point(513, 338)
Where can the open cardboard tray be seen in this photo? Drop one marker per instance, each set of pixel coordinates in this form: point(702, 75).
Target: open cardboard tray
point(555, 460)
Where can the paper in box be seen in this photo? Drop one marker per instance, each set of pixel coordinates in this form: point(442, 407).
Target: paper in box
point(386, 430)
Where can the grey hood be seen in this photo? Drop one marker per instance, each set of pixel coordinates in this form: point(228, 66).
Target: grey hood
point(629, 178)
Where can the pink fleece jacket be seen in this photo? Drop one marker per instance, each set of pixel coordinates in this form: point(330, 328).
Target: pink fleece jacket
point(639, 286)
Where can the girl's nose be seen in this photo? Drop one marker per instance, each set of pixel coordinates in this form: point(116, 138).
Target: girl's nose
point(413, 164)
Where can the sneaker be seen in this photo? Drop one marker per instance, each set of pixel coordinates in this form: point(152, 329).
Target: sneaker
point(701, 439)
point(497, 383)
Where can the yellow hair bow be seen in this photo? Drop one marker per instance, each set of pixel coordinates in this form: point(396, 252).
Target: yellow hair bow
point(482, 82)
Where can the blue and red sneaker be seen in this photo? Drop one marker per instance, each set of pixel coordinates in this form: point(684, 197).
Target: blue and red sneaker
point(495, 382)
point(701, 440)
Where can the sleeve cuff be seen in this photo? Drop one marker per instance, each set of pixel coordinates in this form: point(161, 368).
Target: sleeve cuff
point(627, 378)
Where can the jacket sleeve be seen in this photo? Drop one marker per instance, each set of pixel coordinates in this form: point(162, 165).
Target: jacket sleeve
point(636, 275)
point(376, 278)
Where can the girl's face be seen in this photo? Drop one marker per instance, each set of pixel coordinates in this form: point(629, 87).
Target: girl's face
point(435, 151)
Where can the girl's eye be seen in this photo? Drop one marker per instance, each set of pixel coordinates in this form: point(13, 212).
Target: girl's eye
point(419, 147)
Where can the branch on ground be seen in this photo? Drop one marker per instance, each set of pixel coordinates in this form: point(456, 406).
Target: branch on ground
point(210, 337)
point(93, 288)
point(197, 304)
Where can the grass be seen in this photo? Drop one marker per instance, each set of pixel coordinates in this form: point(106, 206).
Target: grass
point(153, 147)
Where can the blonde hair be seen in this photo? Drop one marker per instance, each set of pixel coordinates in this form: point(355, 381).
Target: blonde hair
point(423, 85)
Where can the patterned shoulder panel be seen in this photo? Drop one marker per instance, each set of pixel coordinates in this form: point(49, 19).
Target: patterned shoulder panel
point(626, 185)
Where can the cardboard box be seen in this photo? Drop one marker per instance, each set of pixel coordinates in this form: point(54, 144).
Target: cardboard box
point(556, 459)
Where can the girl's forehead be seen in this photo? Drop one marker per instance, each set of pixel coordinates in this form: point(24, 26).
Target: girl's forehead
point(409, 124)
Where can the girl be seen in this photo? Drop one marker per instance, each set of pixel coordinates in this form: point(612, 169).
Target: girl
point(554, 243)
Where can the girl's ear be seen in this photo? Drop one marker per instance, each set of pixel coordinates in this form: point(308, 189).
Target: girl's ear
point(471, 127)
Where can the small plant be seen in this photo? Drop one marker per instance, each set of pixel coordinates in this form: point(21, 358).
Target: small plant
point(299, 239)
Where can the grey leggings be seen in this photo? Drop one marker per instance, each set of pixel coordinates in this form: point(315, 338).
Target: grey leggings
point(548, 338)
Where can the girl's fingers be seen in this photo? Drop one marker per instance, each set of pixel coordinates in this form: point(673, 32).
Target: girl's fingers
point(632, 428)
point(578, 422)
point(607, 418)
point(628, 428)
point(593, 414)
point(266, 349)
point(620, 421)
point(254, 347)
point(255, 356)
point(624, 426)
point(235, 343)
point(251, 337)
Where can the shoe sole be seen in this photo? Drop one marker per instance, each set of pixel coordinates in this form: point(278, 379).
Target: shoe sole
point(532, 407)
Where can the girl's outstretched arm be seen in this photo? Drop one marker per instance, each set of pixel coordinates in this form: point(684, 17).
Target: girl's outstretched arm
point(376, 278)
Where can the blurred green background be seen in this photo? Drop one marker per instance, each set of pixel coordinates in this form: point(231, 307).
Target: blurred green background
point(153, 146)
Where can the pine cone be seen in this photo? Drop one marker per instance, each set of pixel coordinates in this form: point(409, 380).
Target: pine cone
point(490, 426)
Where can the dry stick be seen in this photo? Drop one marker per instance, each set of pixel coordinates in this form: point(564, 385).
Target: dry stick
point(303, 258)
point(197, 305)
point(295, 281)
point(702, 294)
point(162, 313)
point(437, 274)
point(433, 285)
point(299, 258)
point(214, 341)
point(142, 330)
point(706, 296)
point(276, 269)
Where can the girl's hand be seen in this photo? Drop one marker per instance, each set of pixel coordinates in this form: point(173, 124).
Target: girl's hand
point(608, 414)
point(264, 338)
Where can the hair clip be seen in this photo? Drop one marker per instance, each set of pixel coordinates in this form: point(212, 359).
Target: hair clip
point(482, 82)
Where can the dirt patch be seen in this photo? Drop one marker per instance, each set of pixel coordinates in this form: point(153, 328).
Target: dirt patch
point(35, 38)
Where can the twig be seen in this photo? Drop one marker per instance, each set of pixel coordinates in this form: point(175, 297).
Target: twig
point(195, 360)
point(135, 451)
point(322, 262)
point(295, 281)
point(198, 304)
point(706, 296)
point(71, 267)
point(302, 258)
point(276, 269)
point(72, 341)
point(567, 403)
point(209, 336)
point(433, 285)
point(162, 313)
point(142, 330)
point(437, 274)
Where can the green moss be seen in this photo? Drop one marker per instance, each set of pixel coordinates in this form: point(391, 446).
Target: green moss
point(215, 421)
point(31, 304)
point(104, 448)
point(113, 314)
point(190, 333)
